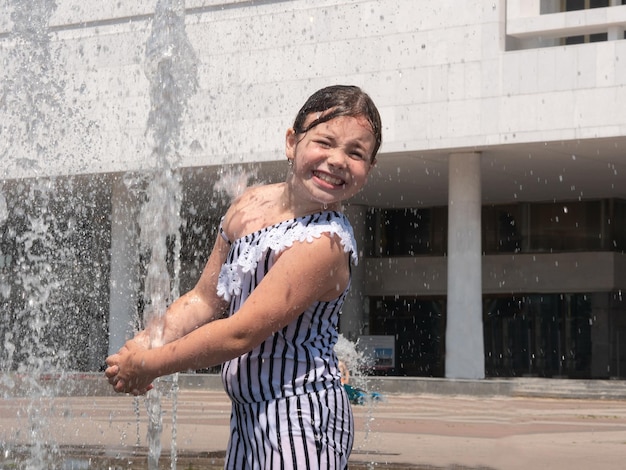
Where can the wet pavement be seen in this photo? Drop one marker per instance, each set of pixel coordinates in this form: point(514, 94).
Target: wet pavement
point(422, 430)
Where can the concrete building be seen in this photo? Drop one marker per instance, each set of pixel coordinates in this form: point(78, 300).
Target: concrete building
point(492, 230)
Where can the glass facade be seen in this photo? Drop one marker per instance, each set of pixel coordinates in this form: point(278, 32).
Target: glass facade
point(418, 326)
point(554, 227)
point(407, 232)
point(556, 334)
point(510, 228)
point(538, 335)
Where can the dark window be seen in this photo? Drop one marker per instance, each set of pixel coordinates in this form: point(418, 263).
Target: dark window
point(419, 329)
point(616, 226)
point(572, 5)
point(407, 232)
point(555, 227)
point(509, 228)
point(542, 335)
point(502, 228)
point(572, 226)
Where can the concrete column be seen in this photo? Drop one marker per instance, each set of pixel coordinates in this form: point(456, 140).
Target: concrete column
point(465, 357)
point(353, 312)
point(124, 265)
point(615, 33)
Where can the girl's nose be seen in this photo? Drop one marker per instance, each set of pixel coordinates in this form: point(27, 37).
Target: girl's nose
point(337, 158)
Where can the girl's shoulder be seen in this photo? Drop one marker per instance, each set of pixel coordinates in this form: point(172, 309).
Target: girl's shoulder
point(307, 234)
point(257, 212)
point(250, 211)
point(252, 195)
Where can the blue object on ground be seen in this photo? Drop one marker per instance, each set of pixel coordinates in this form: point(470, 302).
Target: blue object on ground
point(359, 397)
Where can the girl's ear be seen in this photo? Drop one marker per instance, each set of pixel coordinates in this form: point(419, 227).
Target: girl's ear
point(290, 144)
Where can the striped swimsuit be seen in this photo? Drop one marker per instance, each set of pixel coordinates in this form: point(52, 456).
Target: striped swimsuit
point(289, 409)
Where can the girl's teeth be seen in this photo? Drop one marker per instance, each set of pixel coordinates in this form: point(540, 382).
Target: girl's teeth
point(329, 179)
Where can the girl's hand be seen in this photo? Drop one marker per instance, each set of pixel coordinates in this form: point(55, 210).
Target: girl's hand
point(125, 370)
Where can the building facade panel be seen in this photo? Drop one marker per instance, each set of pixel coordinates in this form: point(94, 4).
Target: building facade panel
point(242, 47)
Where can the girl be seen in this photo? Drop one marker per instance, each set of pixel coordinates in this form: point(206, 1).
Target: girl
point(267, 304)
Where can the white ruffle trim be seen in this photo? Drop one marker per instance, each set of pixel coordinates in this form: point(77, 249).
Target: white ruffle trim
point(278, 238)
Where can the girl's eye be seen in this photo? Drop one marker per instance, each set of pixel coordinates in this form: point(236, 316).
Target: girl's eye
point(323, 143)
point(357, 155)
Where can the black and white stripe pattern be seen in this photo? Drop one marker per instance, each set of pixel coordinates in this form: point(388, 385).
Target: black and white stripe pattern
point(310, 431)
point(289, 407)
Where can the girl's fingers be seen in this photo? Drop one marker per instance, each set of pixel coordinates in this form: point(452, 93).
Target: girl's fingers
point(119, 386)
point(112, 371)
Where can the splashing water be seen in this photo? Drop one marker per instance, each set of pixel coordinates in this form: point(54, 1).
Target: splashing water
point(355, 379)
point(38, 265)
point(172, 71)
point(357, 363)
point(233, 182)
point(37, 127)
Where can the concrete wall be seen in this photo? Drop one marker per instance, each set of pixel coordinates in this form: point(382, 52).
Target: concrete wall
point(438, 69)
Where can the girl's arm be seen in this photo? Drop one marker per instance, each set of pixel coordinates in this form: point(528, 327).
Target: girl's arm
point(189, 312)
point(303, 274)
point(193, 309)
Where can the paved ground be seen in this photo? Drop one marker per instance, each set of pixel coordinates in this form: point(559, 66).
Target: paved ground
point(421, 430)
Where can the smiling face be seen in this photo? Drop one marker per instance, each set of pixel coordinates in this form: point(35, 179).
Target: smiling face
point(331, 160)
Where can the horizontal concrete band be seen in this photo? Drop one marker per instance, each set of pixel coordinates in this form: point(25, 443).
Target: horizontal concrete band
point(87, 384)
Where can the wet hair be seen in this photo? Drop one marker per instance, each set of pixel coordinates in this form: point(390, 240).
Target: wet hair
point(340, 100)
